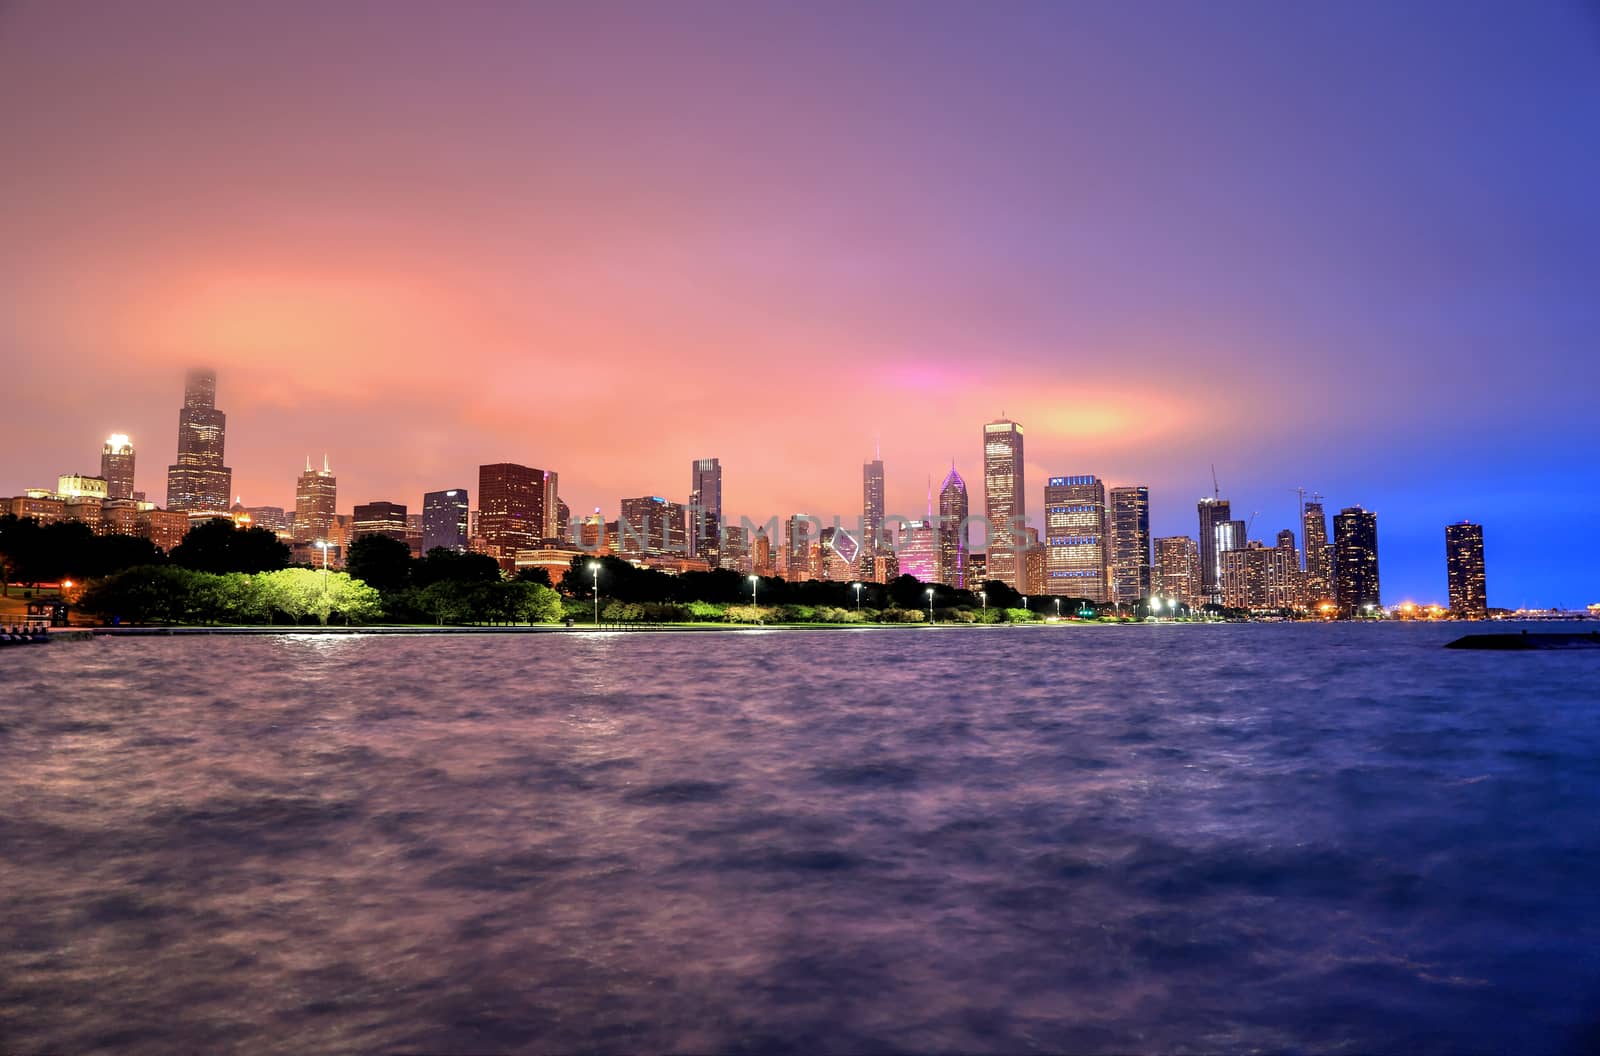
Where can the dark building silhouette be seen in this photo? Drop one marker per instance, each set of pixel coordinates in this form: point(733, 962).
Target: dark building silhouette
point(444, 520)
point(1355, 561)
point(1213, 512)
point(380, 518)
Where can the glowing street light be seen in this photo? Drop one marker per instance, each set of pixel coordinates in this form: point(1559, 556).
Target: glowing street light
point(594, 567)
point(930, 605)
point(858, 595)
point(1058, 608)
point(322, 544)
point(984, 597)
point(754, 580)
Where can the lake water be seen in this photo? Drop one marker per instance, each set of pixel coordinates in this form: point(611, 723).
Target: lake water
point(1141, 839)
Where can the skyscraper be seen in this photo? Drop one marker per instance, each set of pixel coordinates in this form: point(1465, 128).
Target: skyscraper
point(1176, 576)
point(511, 510)
point(1318, 555)
point(444, 520)
point(953, 530)
point(116, 465)
point(198, 482)
point(800, 534)
point(705, 509)
point(315, 497)
point(1213, 512)
point(651, 526)
point(1463, 550)
point(872, 508)
point(552, 525)
point(380, 518)
point(1355, 561)
point(918, 553)
point(1074, 537)
point(1129, 535)
point(1005, 499)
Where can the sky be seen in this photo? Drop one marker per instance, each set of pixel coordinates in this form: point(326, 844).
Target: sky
point(1348, 247)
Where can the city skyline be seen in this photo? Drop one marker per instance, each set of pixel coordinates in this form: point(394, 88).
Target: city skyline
point(1346, 292)
point(1096, 544)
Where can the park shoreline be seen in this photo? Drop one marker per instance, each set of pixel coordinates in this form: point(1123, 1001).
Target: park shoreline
point(158, 631)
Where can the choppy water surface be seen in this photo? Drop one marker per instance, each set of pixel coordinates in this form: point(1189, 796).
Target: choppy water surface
point(1147, 839)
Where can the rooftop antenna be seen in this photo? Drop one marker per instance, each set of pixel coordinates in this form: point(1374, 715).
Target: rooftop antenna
point(308, 463)
point(325, 468)
point(1216, 489)
point(877, 447)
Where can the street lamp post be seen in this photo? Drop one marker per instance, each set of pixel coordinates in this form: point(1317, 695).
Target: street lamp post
point(1058, 608)
point(754, 580)
point(858, 595)
point(930, 606)
point(594, 568)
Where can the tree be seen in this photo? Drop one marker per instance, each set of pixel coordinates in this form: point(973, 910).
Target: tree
point(440, 565)
point(217, 546)
point(381, 561)
point(541, 576)
point(534, 602)
point(1000, 595)
point(907, 592)
point(114, 553)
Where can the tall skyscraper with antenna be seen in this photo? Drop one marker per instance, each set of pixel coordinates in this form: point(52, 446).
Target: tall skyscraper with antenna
point(198, 482)
point(315, 495)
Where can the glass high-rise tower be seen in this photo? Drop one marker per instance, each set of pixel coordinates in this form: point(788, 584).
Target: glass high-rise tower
point(705, 509)
point(198, 482)
point(1004, 500)
point(953, 531)
point(1129, 536)
point(444, 520)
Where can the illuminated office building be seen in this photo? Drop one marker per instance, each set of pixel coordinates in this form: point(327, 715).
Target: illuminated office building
point(116, 466)
point(1176, 574)
point(511, 509)
point(1463, 548)
point(650, 526)
point(1318, 555)
point(1005, 499)
point(1074, 537)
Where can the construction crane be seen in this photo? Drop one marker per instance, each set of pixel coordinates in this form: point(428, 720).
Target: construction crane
point(1216, 489)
